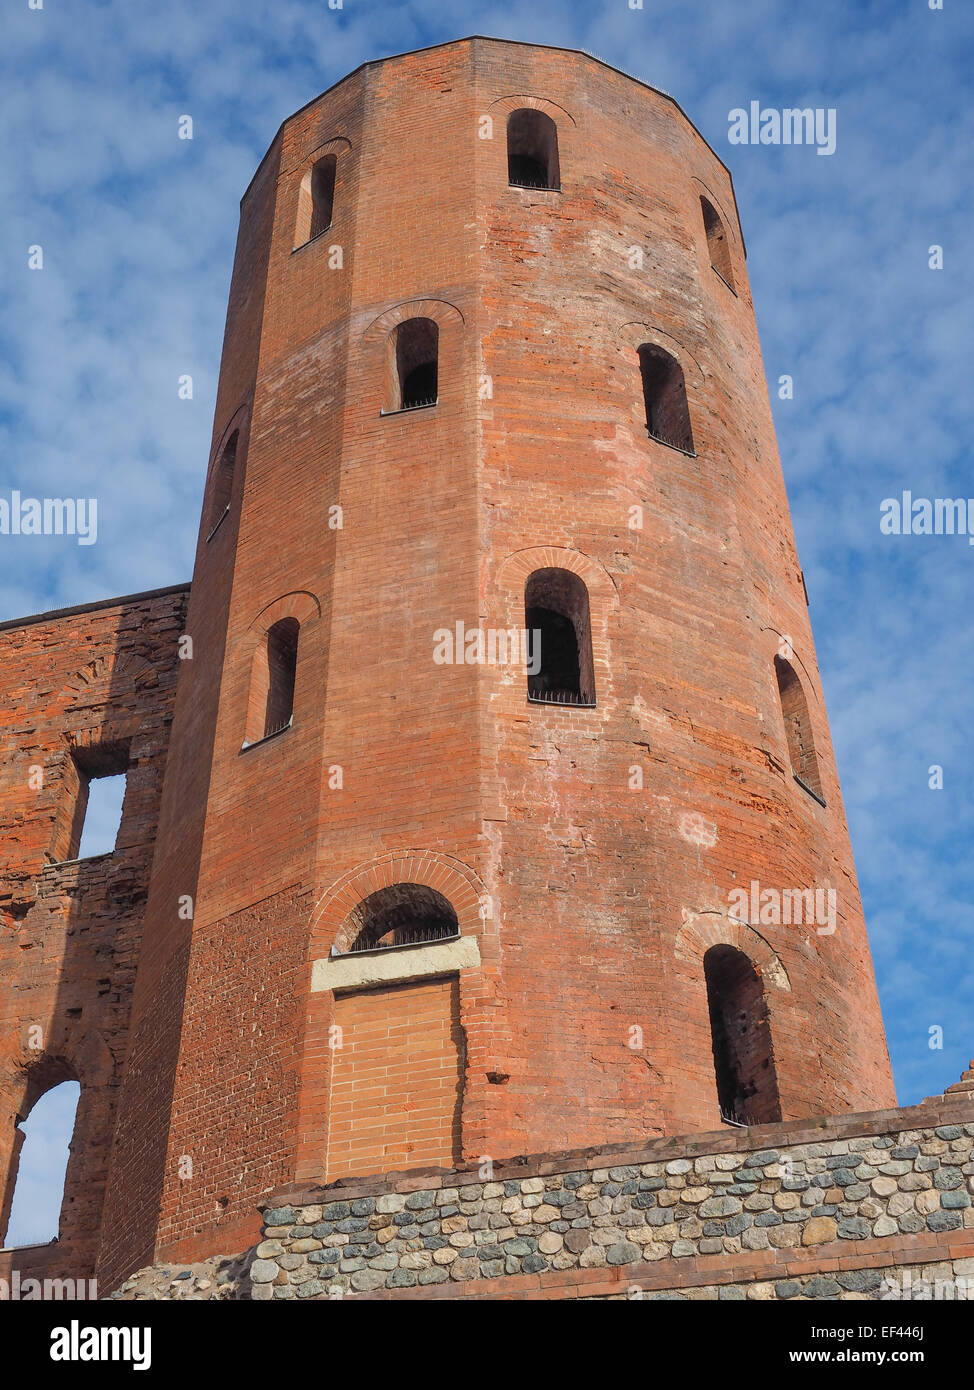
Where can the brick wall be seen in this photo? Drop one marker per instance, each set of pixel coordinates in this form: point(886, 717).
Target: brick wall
point(76, 682)
point(396, 1079)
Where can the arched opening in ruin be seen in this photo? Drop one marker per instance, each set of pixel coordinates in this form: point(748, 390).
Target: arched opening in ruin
point(415, 363)
point(532, 150)
point(665, 398)
point(798, 727)
point(316, 199)
point(403, 914)
point(558, 623)
point(717, 244)
point(222, 487)
point(747, 1086)
point(35, 1188)
point(271, 704)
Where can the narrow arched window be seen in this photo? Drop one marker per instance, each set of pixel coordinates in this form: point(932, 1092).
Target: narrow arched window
point(717, 245)
point(415, 364)
point(41, 1149)
point(316, 199)
point(532, 150)
point(403, 914)
point(282, 660)
point(271, 702)
point(322, 193)
point(665, 397)
point(556, 616)
point(798, 727)
point(747, 1086)
point(222, 486)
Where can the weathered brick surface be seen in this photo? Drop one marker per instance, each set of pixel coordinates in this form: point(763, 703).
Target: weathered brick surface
point(76, 682)
point(395, 1084)
point(592, 900)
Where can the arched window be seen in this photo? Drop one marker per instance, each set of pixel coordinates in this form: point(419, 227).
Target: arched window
point(222, 487)
point(402, 915)
point(271, 703)
point(665, 395)
point(556, 616)
point(414, 363)
point(31, 1212)
point(798, 727)
point(316, 199)
point(717, 245)
point(747, 1087)
point(532, 150)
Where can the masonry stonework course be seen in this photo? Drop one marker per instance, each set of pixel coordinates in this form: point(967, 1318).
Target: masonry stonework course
point(583, 854)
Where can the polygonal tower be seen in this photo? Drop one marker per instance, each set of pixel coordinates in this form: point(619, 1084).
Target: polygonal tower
point(423, 892)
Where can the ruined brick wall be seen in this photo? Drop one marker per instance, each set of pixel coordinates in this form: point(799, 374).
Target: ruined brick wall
point(75, 683)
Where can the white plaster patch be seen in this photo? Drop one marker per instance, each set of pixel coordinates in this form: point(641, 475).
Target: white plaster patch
point(698, 831)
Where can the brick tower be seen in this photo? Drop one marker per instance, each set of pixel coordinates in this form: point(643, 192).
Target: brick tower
point(490, 366)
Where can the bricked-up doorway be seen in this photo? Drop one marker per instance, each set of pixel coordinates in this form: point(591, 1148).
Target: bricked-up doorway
point(397, 1079)
point(747, 1086)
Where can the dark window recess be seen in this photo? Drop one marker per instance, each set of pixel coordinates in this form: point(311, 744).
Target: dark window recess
point(717, 245)
point(556, 616)
point(282, 659)
point(798, 728)
point(403, 914)
point(665, 397)
point(222, 487)
point(322, 194)
point(532, 150)
point(416, 363)
point(747, 1086)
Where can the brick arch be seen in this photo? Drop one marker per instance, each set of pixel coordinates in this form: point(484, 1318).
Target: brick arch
point(770, 640)
point(73, 1053)
point(300, 604)
point(633, 335)
point(334, 921)
point(518, 101)
point(440, 310)
point(238, 421)
point(706, 929)
point(729, 220)
point(335, 144)
point(516, 568)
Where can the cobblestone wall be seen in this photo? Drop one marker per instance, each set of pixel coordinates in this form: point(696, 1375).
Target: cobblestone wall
point(818, 1219)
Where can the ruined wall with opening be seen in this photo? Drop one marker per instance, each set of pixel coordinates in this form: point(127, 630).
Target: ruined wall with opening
point(86, 691)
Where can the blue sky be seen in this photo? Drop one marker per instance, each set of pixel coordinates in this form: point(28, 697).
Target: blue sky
point(138, 229)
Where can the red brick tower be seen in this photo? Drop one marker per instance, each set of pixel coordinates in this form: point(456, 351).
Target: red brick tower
point(490, 360)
